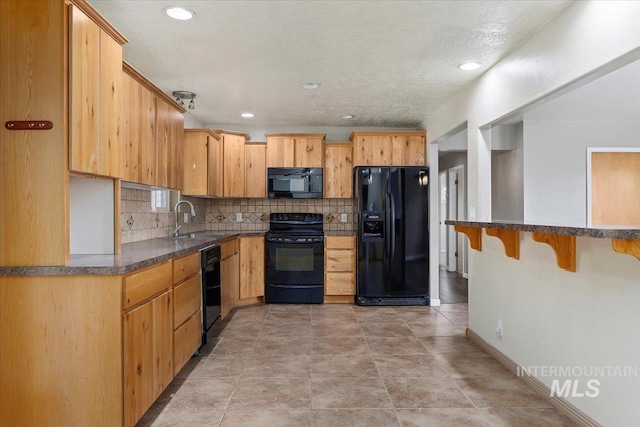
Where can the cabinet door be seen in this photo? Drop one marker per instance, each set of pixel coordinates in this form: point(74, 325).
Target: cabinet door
point(409, 150)
point(229, 283)
point(85, 94)
point(176, 145)
point(308, 153)
point(146, 136)
point(163, 134)
point(251, 267)
point(148, 355)
point(338, 169)
point(373, 150)
point(195, 163)
point(280, 152)
point(130, 122)
point(110, 105)
point(215, 166)
point(233, 169)
point(138, 362)
point(256, 170)
point(162, 342)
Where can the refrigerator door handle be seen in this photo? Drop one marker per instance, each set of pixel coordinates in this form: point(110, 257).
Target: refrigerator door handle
point(387, 226)
point(392, 227)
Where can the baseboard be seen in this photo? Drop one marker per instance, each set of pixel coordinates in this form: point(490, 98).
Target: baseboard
point(434, 302)
point(542, 389)
point(338, 299)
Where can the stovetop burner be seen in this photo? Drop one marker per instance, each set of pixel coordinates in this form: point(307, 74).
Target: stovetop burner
point(296, 223)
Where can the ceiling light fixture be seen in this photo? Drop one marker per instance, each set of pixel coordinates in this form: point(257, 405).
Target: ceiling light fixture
point(181, 95)
point(469, 66)
point(347, 116)
point(247, 115)
point(179, 13)
point(311, 85)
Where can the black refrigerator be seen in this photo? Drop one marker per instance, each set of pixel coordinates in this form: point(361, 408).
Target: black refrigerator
point(393, 235)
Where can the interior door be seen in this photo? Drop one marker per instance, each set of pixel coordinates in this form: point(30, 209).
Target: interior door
point(372, 274)
point(409, 232)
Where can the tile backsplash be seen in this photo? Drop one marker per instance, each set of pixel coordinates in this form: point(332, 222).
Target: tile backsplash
point(139, 222)
point(221, 215)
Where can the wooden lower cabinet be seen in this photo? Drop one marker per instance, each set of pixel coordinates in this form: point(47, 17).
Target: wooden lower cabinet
point(340, 267)
point(148, 355)
point(251, 270)
point(186, 340)
point(229, 276)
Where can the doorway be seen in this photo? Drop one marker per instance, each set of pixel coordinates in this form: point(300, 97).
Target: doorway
point(452, 158)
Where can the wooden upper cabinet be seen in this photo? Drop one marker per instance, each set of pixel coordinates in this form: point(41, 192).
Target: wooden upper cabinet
point(233, 169)
point(152, 135)
point(138, 131)
point(338, 168)
point(280, 151)
point(294, 150)
point(308, 152)
point(409, 150)
point(96, 97)
point(401, 148)
point(215, 164)
point(163, 133)
point(256, 170)
point(195, 162)
point(176, 149)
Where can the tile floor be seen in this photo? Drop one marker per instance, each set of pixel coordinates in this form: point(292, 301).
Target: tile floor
point(345, 365)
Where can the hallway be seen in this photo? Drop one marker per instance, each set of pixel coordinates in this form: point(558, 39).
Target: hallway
point(453, 287)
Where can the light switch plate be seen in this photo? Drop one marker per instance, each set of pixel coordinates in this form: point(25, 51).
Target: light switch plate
point(186, 217)
point(472, 213)
point(239, 217)
point(343, 217)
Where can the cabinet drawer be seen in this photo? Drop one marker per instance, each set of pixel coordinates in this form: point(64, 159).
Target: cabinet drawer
point(340, 242)
point(186, 266)
point(146, 283)
point(229, 248)
point(340, 284)
point(186, 340)
point(340, 260)
point(187, 299)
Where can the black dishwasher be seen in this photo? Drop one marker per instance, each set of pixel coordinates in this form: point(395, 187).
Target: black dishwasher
point(210, 288)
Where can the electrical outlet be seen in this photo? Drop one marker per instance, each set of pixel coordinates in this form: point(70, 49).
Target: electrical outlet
point(186, 218)
point(343, 217)
point(239, 217)
point(499, 329)
point(472, 213)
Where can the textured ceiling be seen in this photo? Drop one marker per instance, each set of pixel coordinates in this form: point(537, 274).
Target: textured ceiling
point(389, 63)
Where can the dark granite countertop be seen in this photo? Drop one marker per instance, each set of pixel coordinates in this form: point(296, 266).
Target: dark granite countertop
point(597, 232)
point(134, 256)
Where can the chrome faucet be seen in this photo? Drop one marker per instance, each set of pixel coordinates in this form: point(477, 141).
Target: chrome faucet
point(175, 210)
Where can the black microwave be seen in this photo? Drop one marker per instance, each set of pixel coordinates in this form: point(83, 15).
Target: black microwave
point(294, 183)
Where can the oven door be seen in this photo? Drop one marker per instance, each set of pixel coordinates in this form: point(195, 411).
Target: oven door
point(294, 269)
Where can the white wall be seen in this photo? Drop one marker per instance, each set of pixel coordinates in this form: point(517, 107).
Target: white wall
point(556, 318)
point(191, 122)
point(91, 208)
point(555, 166)
point(551, 316)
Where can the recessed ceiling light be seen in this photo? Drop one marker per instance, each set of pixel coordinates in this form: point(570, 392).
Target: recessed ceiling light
point(179, 13)
point(247, 115)
point(311, 85)
point(347, 116)
point(468, 66)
